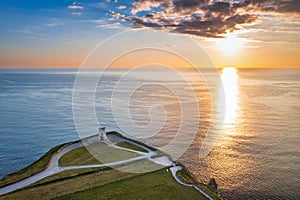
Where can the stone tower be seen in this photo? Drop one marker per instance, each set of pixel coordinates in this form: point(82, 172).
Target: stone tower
point(102, 133)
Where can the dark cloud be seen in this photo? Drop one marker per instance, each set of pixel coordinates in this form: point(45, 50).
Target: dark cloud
point(140, 23)
point(280, 6)
point(289, 6)
point(219, 7)
point(204, 18)
point(183, 6)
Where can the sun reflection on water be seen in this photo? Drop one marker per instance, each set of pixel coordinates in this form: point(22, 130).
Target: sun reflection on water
point(229, 81)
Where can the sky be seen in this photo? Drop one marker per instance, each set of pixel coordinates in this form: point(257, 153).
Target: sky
point(238, 33)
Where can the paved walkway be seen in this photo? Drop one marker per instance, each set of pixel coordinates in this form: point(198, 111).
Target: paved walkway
point(54, 167)
point(175, 169)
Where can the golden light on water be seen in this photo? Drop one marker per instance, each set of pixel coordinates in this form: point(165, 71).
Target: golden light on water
point(230, 86)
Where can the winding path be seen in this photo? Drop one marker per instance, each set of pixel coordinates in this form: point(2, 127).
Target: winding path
point(175, 169)
point(54, 168)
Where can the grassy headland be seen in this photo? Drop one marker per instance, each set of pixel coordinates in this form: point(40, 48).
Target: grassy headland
point(104, 182)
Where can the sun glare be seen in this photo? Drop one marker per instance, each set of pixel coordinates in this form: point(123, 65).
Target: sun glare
point(229, 82)
point(230, 45)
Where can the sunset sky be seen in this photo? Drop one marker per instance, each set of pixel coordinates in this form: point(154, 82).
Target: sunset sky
point(239, 33)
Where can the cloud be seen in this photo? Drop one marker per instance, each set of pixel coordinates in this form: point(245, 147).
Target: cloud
point(117, 15)
point(54, 24)
point(121, 7)
point(102, 5)
point(274, 28)
point(280, 6)
point(203, 18)
point(97, 21)
point(292, 6)
point(103, 23)
point(141, 5)
point(75, 6)
point(76, 13)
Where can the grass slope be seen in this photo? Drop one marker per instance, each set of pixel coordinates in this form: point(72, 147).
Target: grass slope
point(80, 156)
point(159, 152)
point(138, 142)
point(131, 146)
point(62, 184)
point(102, 152)
point(155, 185)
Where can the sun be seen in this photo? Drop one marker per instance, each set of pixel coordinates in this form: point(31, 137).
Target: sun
point(229, 79)
point(229, 73)
point(230, 45)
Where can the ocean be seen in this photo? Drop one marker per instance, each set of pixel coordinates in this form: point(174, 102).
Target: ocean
point(255, 154)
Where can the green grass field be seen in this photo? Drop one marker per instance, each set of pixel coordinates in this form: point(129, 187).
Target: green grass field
point(131, 146)
point(126, 138)
point(68, 174)
point(62, 184)
point(102, 153)
point(154, 185)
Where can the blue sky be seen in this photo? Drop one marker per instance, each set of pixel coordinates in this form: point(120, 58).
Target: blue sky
point(52, 18)
point(37, 28)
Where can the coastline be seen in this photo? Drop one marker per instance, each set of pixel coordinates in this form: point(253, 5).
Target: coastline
point(23, 179)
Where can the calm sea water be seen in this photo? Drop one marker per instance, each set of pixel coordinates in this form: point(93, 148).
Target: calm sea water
point(255, 156)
